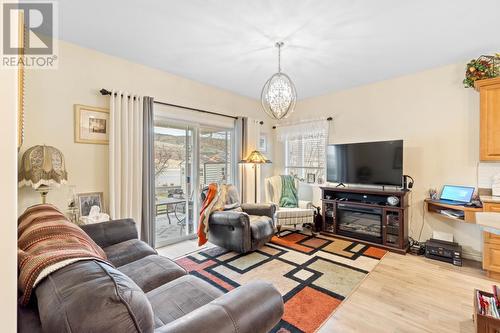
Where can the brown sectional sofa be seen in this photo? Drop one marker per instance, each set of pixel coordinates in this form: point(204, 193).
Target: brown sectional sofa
point(144, 293)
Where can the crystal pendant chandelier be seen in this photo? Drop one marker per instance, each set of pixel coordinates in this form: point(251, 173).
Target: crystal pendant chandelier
point(278, 95)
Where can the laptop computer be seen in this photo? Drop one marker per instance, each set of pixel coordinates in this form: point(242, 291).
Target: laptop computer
point(456, 195)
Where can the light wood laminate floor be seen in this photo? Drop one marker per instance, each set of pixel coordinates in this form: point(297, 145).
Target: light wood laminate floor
point(411, 294)
point(182, 249)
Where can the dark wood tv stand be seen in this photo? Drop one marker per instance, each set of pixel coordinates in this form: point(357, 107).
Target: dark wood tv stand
point(364, 215)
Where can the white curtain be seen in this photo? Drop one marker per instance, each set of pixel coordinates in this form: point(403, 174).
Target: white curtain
point(311, 129)
point(126, 156)
point(240, 152)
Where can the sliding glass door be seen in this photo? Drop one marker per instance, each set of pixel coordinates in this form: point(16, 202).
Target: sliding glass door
point(173, 149)
point(188, 157)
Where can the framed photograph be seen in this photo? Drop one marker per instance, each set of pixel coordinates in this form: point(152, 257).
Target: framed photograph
point(263, 143)
point(311, 178)
point(87, 200)
point(91, 124)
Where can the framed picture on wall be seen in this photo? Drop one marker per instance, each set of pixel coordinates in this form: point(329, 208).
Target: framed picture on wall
point(87, 200)
point(263, 143)
point(91, 124)
point(311, 178)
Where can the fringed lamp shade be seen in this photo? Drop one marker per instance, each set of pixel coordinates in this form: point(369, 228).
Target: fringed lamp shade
point(256, 157)
point(41, 168)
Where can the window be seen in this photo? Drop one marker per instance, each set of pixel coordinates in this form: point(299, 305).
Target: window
point(305, 156)
point(305, 150)
point(215, 156)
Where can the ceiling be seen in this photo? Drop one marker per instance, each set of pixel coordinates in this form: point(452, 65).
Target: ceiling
point(329, 45)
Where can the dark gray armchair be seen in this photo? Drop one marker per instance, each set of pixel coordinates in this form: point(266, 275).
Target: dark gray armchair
point(240, 227)
point(242, 231)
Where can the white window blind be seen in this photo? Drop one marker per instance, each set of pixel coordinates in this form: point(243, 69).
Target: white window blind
point(305, 149)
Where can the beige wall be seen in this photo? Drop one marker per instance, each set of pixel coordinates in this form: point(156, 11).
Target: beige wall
point(431, 111)
point(51, 94)
point(437, 118)
point(8, 198)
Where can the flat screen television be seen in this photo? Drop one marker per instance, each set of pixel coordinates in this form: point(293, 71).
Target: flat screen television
point(374, 163)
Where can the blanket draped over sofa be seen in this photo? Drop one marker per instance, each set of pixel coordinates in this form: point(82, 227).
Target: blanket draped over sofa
point(48, 241)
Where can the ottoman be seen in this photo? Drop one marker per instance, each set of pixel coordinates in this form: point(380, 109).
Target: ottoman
point(293, 216)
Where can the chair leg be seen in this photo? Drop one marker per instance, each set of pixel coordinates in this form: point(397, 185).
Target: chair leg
point(279, 229)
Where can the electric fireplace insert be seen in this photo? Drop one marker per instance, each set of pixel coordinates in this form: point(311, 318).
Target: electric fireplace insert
point(360, 222)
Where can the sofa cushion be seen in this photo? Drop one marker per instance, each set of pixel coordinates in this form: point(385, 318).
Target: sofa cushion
point(90, 296)
point(128, 251)
point(179, 297)
point(111, 232)
point(152, 271)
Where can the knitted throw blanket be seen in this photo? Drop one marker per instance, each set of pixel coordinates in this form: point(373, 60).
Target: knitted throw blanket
point(47, 241)
point(289, 197)
point(219, 197)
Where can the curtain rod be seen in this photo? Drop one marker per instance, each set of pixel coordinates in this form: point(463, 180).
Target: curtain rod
point(107, 92)
point(305, 121)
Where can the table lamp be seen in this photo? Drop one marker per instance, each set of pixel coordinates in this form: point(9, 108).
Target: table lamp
point(255, 158)
point(42, 167)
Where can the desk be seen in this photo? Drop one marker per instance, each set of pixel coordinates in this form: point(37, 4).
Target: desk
point(469, 212)
point(488, 217)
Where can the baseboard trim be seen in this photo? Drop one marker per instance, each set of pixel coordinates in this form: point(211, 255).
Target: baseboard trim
point(472, 255)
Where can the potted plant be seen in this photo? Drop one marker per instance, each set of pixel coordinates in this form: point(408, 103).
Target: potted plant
point(484, 67)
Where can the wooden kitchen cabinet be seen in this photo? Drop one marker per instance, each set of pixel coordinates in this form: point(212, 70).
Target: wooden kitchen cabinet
point(491, 246)
point(491, 238)
point(491, 207)
point(489, 91)
point(491, 260)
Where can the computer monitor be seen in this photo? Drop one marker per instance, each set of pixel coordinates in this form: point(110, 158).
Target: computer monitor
point(457, 193)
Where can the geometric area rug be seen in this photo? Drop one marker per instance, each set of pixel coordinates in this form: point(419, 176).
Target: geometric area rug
point(313, 274)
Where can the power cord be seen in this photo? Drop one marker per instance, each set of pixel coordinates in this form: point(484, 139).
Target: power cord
point(423, 221)
point(410, 222)
point(416, 247)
